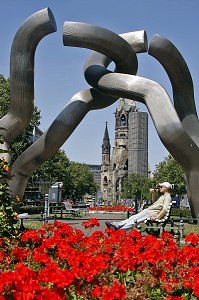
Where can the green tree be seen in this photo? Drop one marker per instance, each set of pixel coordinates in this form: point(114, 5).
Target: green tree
point(4, 95)
point(136, 186)
point(22, 141)
point(169, 170)
point(81, 181)
point(77, 178)
point(55, 169)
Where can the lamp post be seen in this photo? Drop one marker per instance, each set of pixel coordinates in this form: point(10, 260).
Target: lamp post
point(137, 192)
point(46, 209)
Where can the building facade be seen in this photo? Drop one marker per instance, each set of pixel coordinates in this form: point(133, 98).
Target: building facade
point(96, 170)
point(129, 153)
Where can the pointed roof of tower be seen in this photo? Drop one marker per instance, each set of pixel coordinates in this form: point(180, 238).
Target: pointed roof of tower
point(106, 135)
point(106, 141)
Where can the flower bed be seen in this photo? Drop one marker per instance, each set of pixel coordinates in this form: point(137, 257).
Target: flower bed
point(60, 262)
point(118, 208)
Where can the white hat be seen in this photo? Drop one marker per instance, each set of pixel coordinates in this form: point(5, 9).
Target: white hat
point(167, 184)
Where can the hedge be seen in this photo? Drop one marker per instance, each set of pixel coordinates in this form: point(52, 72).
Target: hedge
point(31, 210)
point(182, 213)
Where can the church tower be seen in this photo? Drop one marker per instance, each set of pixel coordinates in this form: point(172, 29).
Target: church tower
point(106, 148)
point(105, 164)
point(119, 159)
point(129, 153)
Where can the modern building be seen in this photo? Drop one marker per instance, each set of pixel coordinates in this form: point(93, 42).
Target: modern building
point(96, 170)
point(129, 153)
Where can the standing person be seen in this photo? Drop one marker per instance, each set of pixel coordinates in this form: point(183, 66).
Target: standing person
point(154, 212)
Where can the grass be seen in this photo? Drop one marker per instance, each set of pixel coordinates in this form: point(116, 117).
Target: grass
point(35, 222)
point(188, 228)
point(34, 225)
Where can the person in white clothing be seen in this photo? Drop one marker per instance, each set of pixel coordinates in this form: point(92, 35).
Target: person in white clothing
point(154, 212)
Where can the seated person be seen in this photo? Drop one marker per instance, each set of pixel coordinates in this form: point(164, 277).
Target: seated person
point(154, 212)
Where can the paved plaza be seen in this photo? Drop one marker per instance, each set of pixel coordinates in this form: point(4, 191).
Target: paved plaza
point(102, 217)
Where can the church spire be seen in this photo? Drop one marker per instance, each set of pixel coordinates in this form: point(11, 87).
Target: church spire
point(106, 142)
point(106, 146)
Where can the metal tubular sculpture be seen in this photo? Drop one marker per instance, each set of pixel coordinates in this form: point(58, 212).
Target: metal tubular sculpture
point(177, 139)
point(183, 95)
point(177, 125)
point(75, 110)
point(23, 49)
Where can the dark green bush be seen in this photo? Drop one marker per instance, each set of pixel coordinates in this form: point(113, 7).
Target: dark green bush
point(31, 210)
point(182, 213)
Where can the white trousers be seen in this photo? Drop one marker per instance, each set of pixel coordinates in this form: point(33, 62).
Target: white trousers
point(129, 223)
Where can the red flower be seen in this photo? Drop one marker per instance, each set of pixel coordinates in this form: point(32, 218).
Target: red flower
point(192, 239)
point(97, 292)
point(91, 223)
point(60, 261)
point(20, 253)
point(31, 235)
point(2, 255)
point(116, 291)
point(47, 294)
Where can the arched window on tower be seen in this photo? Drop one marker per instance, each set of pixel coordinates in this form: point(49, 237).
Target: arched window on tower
point(123, 120)
point(126, 165)
point(105, 181)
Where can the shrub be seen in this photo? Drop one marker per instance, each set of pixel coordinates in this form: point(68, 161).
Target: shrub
point(183, 213)
point(9, 225)
point(31, 209)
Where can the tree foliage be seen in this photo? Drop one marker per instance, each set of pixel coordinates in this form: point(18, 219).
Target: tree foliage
point(22, 141)
point(81, 181)
point(55, 169)
point(136, 186)
point(169, 170)
point(77, 178)
point(4, 95)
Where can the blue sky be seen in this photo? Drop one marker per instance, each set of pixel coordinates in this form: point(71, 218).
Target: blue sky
point(59, 69)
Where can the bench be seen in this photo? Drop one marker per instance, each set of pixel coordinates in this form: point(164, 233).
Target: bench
point(158, 226)
point(69, 210)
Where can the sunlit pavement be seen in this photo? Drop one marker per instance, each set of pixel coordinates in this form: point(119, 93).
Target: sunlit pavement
point(102, 217)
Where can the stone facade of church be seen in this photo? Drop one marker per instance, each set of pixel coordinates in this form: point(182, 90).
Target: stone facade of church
point(129, 153)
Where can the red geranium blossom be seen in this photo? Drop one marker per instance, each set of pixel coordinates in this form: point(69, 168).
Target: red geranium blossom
point(91, 223)
point(59, 261)
point(192, 239)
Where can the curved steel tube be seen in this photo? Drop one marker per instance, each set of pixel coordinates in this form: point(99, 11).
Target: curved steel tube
point(22, 55)
point(154, 96)
point(183, 93)
point(106, 42)
point(166, 120)
point(64, 125)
